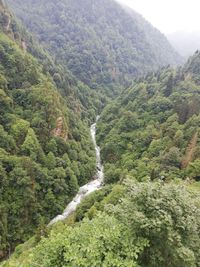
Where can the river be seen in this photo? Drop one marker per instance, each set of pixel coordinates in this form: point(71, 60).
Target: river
point(87, 188)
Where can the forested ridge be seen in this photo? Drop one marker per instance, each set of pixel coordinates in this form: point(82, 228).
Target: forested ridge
point(103, 44)
point(45, 149)
point(152, 129)
point(54, 81)
point(79, 97)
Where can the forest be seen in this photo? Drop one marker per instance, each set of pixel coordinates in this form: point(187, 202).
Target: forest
point(61, 65)
point(46, 151)
point(152, 129)
point(100, 43)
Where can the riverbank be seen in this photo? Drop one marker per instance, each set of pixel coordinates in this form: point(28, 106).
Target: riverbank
point(89, 187)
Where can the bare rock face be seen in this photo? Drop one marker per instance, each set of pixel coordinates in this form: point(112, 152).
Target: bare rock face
point(59, 131)
point(24, 46)
point(5, 18)
point(190, 151)
point(8, 24)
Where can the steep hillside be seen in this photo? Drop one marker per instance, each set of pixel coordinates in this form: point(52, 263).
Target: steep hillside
point(103, 44)
point(45, 150)
point(79, 97)
point(135, 225)
point(149, 138)
point(152, 130)
point(192, 68)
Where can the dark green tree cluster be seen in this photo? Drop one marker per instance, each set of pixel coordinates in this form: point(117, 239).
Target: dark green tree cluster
point(152, 225)
point(151, 131)
point(103, 44)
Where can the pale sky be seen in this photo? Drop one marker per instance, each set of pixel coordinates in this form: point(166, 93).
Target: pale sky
point(169, 15)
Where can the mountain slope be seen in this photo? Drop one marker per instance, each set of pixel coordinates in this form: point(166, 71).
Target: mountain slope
point(152, 129)
point(145, 134)
point(150, 132)
point(45, 150)
point(103, 44)
point(79, 97)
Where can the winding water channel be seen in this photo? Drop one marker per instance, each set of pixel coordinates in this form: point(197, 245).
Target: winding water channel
point(89, 187)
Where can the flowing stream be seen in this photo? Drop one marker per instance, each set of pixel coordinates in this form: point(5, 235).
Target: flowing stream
point(88, 188)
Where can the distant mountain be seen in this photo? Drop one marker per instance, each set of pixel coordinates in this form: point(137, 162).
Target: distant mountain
point(186, 43)
point(103, 44)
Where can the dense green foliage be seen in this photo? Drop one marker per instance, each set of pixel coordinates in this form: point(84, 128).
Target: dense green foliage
point(45, 150)
point(79, 97)
point(102, 44)
point(149, 133)
point(153, 225)
point(152, 130)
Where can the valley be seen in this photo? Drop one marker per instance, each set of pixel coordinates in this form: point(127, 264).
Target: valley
point(99, 139)
point(86, 189)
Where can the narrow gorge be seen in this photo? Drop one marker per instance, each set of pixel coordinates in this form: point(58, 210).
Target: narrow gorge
point(88, 188)
point(81, 190)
